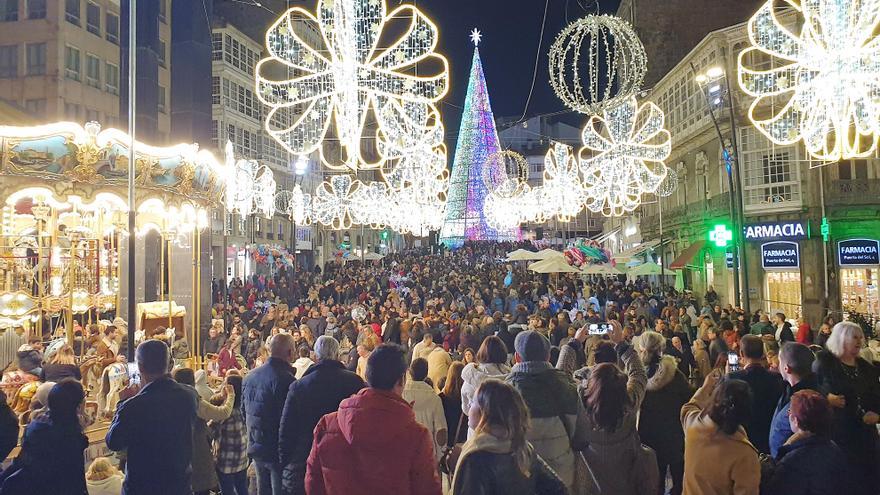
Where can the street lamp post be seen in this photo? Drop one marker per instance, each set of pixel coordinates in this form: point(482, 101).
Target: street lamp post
point(710, 84)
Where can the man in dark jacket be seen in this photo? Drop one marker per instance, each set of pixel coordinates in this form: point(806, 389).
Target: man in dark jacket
point(318, 392)
point(782, 329)
point(766, 389)
point(263, 393)
point(153, 424)
point(796, 368)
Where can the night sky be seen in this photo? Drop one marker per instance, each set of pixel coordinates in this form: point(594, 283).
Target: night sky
point(511, 30)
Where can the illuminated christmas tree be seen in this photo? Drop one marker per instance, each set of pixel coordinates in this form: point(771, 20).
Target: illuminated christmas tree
point(477, 141)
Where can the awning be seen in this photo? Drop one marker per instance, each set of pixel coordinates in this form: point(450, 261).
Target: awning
point(635, 251)
point(687, 255)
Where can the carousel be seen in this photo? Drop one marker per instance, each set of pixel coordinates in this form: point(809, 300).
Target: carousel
point(64, 228)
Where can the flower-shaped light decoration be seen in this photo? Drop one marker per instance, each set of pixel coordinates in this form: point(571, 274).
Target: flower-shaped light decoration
point(239, 179)
point(823, 85)
point(332, 202)
point(562, 183)
point(343, 75)
point(415, 152)
point(623, 155)
point(264, 191)
point(300, 206)
point(411, 212)
point(369, 204)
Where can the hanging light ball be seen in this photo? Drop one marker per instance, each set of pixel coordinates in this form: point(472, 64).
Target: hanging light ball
point(597, 62)
point(505, 172)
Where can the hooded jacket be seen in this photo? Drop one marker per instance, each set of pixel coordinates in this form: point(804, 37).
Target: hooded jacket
point(106, 486)
point(558, 418)
point(659, 423)
point(473, 374)
point(373, 444)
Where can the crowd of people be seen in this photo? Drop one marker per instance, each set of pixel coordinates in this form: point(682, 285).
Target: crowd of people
point(461, 373)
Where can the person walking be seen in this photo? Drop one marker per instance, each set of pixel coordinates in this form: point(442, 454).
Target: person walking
point(230, 444)
point(426, 404)
point(374, 444)
point(264, 391)
point(153, 424)
point(323, 386)
point(552, 398)
point(499, 460)
point(51, 459)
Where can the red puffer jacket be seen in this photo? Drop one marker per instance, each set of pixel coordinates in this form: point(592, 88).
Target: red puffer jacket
point(373, 444)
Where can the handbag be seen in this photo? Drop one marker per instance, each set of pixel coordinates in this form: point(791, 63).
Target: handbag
point(449, 456)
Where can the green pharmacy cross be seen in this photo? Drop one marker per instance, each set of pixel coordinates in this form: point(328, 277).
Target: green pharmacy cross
point(721, 236)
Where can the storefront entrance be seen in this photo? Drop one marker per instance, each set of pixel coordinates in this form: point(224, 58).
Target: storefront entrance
point(858, 290)
point(783, 292)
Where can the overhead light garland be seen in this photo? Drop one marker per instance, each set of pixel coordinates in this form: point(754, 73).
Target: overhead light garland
point(623, 156)
point(822, 87)
point(332, 202)
point(615, 58)
point(347, 76)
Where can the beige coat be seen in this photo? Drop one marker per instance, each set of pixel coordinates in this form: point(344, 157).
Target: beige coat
point(716, 463)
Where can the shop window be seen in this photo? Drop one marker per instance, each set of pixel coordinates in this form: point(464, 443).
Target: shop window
point(858, 291)
point(784, 293)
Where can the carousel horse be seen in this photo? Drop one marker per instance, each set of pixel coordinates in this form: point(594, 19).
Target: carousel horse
point(113, 379)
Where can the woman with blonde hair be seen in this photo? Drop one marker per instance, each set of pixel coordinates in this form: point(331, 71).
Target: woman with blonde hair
point(102, 478)
point(850, 383)
point(499, 459)
point(61, 365)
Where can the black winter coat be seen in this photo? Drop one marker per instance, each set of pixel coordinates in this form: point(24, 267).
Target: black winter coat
point(659, 416)
point(155, 427)
point(488, 473)
point(263, 394)
point(8, 429)
point(810, 466)
point(862, 393)
point(766, 388)
point(51, 461)
point(318, 392)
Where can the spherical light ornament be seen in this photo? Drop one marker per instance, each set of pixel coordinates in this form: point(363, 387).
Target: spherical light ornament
point(609, 52)
point(359, 313)
point(505, 172)
point(669, 184)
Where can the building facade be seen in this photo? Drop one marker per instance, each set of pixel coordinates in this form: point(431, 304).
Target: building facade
point(787, 264)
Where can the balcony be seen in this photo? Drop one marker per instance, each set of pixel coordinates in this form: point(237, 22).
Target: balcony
point(853, 192)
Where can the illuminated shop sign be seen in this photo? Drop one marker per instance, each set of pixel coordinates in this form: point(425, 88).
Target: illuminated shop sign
point(858, 252)
point(780, 254)
point(777, 231)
